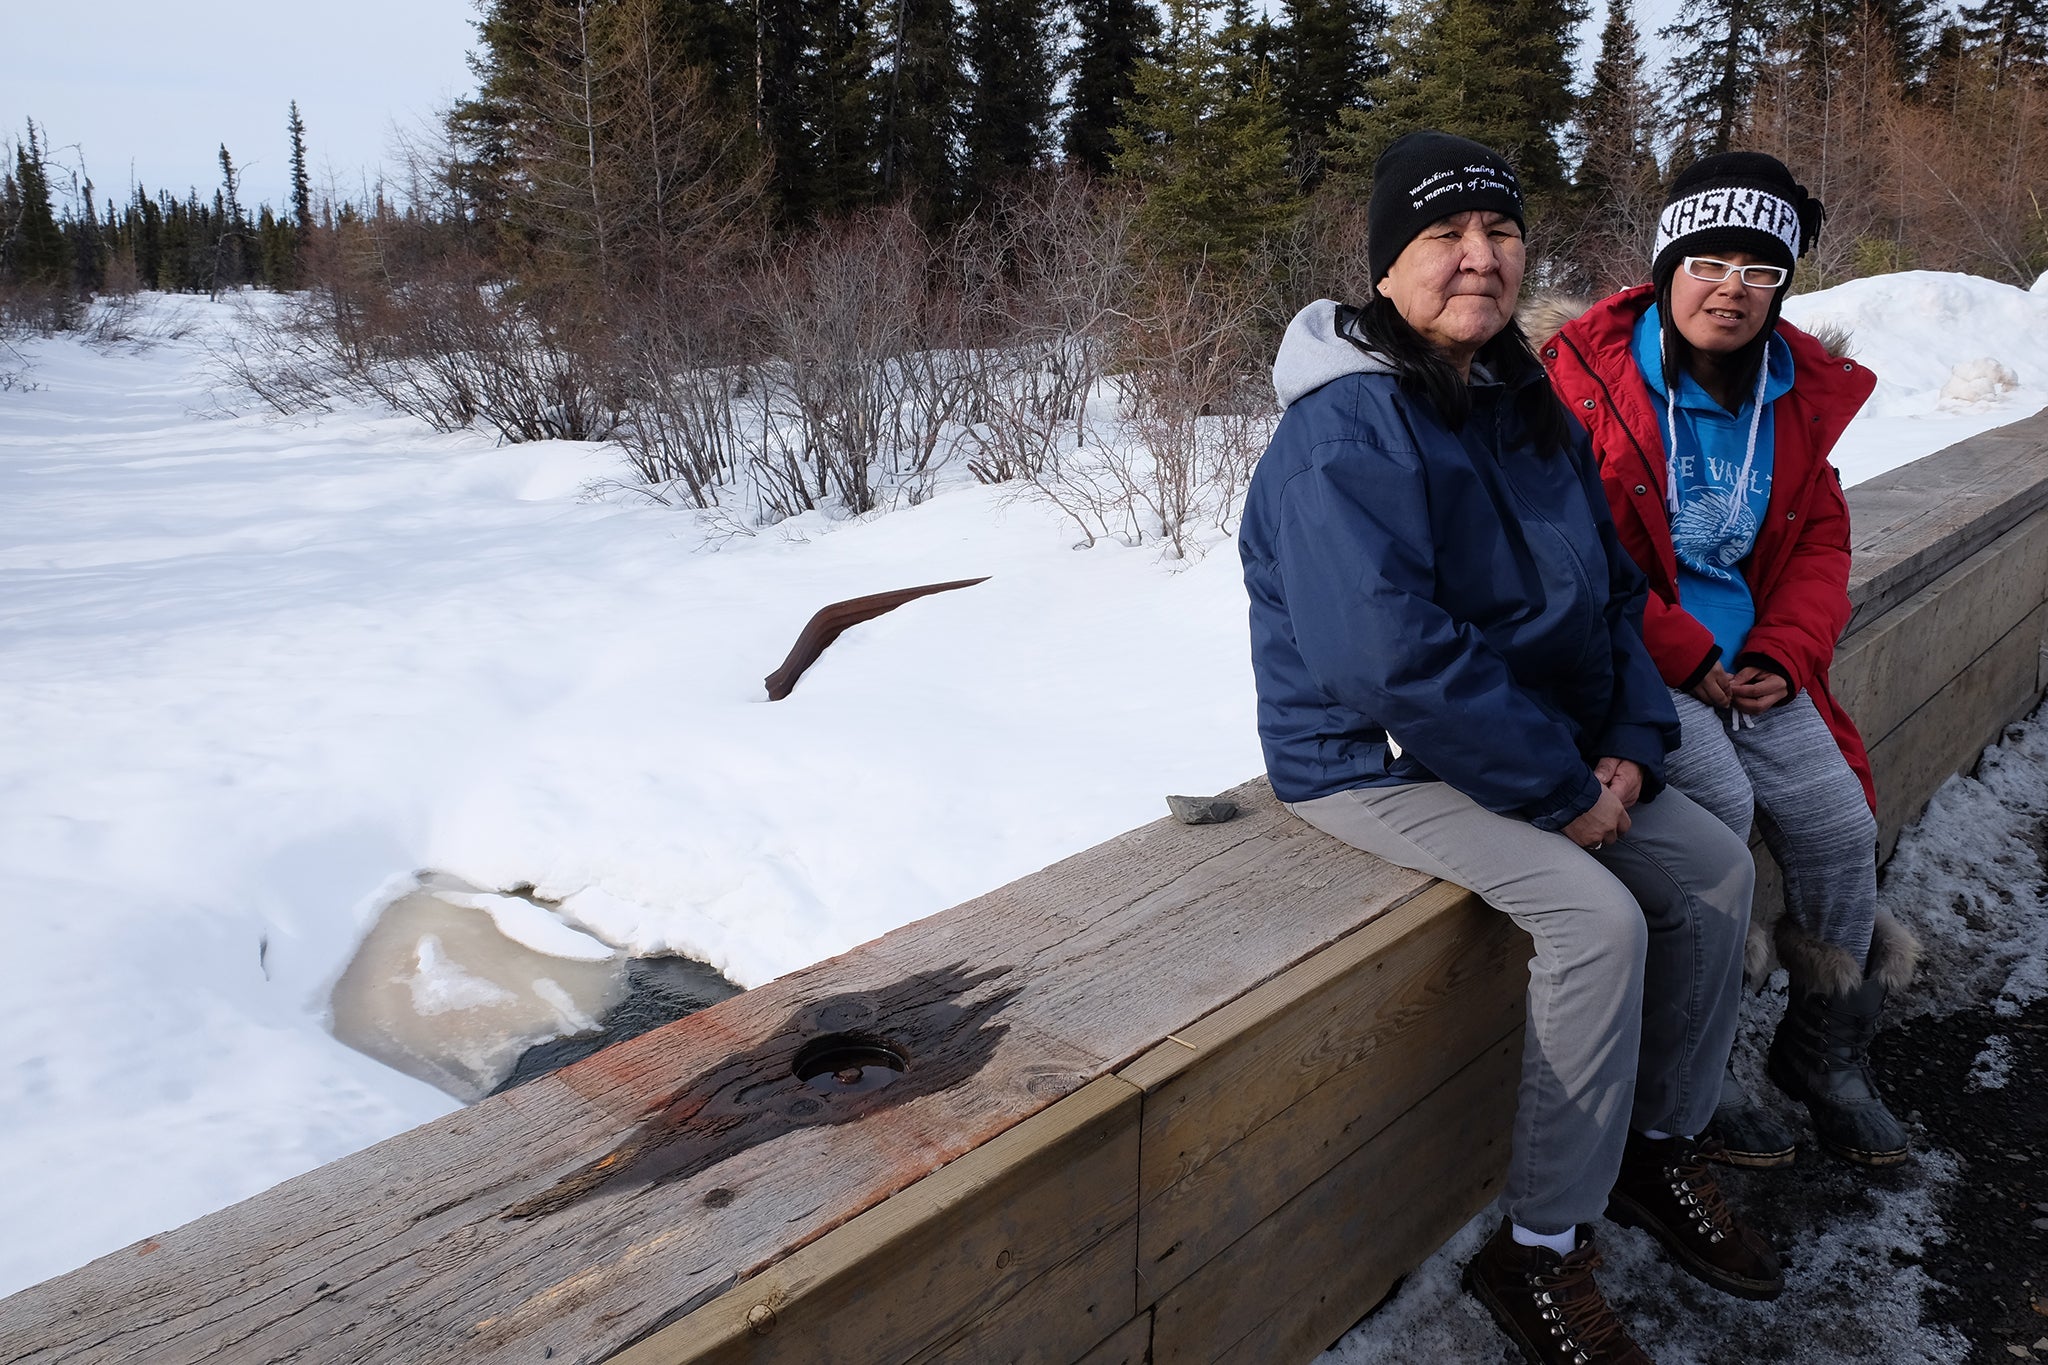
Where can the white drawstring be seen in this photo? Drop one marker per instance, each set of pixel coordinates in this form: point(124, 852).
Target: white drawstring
point(1756, 417)
point(1670, 434)
point(1739, 497)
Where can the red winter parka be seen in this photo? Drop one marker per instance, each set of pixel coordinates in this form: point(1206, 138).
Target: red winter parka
point(1798, 570)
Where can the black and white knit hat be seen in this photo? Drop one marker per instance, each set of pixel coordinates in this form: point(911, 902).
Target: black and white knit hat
point(1735, 201)
point(1430, 175)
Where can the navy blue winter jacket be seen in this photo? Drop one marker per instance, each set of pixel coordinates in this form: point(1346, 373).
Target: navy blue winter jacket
point(1459, 591)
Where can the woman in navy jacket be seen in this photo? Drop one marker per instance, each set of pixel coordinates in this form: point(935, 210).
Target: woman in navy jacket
point(1447, 644)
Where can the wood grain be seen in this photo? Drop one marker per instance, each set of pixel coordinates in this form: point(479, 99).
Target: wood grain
point(1946, 733)
point(1294, 1078)
point(1887, 672)
point(1288, 1288)
point(1030, 1235)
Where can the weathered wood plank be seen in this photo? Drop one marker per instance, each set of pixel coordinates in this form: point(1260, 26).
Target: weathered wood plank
point(1057, 1318)
point(1131, 1345)
point(1180, 920)
point(1911, 524)
point(1038, 1221)
point(1947, 732)
point(1286, 1289)
point(1291, 1079)
point(1884, 673)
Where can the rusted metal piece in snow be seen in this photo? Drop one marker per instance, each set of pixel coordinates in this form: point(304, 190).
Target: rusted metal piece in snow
point(825, 627)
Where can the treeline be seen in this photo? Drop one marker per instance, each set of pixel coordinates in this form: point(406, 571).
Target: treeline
point(804, 253)
point(64, 246)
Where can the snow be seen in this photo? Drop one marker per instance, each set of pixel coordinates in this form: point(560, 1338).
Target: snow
point(261, 673)
point(1955, 355)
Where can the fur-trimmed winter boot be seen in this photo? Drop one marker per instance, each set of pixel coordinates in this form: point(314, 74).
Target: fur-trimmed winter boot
point(1821, 1053)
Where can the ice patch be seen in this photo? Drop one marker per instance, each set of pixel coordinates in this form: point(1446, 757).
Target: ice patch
point(1968, 879)
point(439, 991)
point(1993, 1064)
point(522, 921)
point(440, 986)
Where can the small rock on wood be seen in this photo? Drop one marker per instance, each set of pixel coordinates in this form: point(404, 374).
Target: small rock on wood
point(1201, 810)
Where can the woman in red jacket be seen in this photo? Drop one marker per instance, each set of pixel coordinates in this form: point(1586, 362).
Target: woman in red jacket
point(1712, 420)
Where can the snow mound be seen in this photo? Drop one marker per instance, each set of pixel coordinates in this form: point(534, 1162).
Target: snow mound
point(1983, 380)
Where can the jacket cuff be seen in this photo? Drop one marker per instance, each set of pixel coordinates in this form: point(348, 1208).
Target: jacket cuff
point(1642, 745)
point(1706, 666)
point(1566, 803)
point(1751, 658)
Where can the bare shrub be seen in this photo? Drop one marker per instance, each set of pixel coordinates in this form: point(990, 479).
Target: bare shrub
point(861, 378)
point(447, 343)
point(1067, 245)
point(1191, 363)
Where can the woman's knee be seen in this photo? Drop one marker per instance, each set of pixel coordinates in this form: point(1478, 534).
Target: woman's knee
point(1601, 931)
point(1725, 792)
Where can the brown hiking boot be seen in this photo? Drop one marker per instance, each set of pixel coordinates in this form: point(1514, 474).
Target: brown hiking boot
point(1548, 1304)
point(1667, 1189)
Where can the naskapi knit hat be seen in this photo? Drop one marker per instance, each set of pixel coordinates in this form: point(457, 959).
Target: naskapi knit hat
point(1426, 176)
point(1735, 201)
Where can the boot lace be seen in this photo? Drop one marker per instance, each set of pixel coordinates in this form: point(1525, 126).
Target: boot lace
point(1693, 1185)
point(1571, 1304)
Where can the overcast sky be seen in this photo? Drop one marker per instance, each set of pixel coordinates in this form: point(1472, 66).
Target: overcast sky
point(150, 90)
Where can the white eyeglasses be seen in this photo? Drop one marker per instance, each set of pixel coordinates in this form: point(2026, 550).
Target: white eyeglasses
point(1714, 271)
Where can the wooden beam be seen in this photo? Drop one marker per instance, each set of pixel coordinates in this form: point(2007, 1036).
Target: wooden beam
point(1030, 1236)
point(1945, 734)
point(1287, 1289)
point(1885, 673)
point(1285, 1083)
point(1912, 524)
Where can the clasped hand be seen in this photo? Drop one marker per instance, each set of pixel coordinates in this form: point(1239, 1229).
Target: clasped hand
point(1750, 690)
point(1621, 784)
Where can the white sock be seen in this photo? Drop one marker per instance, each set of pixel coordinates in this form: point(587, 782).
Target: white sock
point(1563, 1243)
point(1653, 1135)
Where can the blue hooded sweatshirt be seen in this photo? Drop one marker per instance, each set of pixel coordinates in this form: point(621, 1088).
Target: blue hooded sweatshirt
point(1457, 591)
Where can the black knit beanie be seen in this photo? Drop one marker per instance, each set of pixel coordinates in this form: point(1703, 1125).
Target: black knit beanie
point(1735, 201)
point(1426, 176)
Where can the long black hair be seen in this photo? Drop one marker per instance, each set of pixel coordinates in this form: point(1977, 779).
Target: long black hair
point(1423, 372)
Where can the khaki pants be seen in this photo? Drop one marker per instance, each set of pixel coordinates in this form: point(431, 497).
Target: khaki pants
point(1634, 986)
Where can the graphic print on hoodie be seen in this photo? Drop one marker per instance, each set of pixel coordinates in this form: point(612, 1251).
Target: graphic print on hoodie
point(1718, 484)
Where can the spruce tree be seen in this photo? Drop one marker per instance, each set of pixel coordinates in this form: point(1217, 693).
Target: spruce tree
point(1718, 52)
point(1212, 161)
point(302, 183)
point(1617, 188)
point(1327, 56)
point(1618, 118)
point(1496, 71)
point(921, 97)
point(34, 251)
point(1111, 38)
point(1010, 95)
point(2012, 35)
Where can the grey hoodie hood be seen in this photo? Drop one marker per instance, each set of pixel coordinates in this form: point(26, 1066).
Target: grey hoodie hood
point(1313, 352)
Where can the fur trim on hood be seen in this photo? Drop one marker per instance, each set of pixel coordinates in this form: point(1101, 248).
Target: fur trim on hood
point(1544, 314)
point(1314, 352)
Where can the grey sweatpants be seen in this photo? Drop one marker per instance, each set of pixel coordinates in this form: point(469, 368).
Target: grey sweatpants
point(1788, 769)
point(1632, 991)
